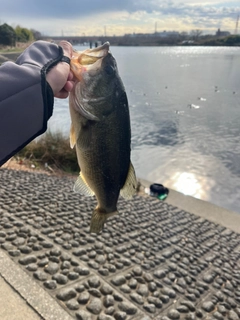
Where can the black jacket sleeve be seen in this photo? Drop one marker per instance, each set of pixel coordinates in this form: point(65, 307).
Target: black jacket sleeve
point(26, 99)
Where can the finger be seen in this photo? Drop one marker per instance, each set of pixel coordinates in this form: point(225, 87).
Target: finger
point(70, 76)
point(67, 48)
point(63, 94)
point(69, 86)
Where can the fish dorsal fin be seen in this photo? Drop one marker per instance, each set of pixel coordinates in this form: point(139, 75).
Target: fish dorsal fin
point(82, 187)
point(130, 186)
point(72, 137)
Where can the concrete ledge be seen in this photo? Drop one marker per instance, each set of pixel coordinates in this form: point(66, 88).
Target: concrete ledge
point(204, 209)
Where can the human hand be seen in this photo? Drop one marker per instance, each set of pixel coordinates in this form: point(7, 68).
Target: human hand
point(60, 78)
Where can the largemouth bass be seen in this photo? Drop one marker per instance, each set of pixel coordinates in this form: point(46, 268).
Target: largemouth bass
point(101, 132)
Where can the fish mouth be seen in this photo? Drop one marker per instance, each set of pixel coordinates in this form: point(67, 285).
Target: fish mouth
point(88, 60)
point(82, 63)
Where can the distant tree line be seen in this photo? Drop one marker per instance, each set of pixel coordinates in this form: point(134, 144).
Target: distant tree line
point(232, 40)
point(9, 35)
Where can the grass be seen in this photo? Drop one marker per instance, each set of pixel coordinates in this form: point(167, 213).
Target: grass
point(10, 50)
point(19, 47)
point(52, 149)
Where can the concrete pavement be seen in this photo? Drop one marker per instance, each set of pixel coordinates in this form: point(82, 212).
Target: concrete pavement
point(13, 306)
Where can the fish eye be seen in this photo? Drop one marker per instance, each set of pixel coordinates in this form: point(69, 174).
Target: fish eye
point(109, 69)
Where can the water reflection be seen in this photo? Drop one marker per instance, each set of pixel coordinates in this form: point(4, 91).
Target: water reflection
point(189, 184)
point(175, 169)
point(186, 182)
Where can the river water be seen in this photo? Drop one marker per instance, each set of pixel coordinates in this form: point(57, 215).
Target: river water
point(185, 117)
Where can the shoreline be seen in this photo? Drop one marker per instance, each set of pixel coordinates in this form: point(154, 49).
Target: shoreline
point(26, 165)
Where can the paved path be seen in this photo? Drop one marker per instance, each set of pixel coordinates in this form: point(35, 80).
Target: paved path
point(153, 261)
point(12, 56)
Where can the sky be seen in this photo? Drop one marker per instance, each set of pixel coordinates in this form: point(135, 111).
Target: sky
point(119, 17)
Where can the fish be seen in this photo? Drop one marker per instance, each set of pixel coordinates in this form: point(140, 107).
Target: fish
point(101, 132)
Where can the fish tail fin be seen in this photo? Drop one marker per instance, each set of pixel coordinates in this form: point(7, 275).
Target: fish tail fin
point(98, 220)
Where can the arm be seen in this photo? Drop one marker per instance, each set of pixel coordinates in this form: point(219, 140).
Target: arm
point(26, 97)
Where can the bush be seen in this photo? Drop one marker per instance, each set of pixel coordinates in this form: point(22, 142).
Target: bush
point(7, 35)
point(52, 149)
point(23, 34)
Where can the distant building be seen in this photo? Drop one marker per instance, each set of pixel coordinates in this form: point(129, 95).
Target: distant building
point(166, 34)
point(220, 33)
point(163, 34)
point(135, 35)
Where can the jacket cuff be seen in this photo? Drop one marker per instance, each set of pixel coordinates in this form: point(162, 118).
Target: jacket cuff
point(43, 55)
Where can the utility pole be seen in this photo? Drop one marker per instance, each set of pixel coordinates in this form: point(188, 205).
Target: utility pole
point(236, 28)
point(105, 31)
point(155, 27)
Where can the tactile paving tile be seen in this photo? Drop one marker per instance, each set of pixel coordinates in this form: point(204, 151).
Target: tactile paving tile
point(153, 261)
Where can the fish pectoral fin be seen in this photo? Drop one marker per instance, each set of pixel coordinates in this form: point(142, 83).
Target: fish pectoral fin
point(72, 137)
point(130, 186)
point(98, 220)
point(82, 187)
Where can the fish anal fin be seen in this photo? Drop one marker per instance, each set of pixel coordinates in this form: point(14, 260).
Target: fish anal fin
point(72, 137)
point(98, 219)
point(82, 187)
point(130, 186)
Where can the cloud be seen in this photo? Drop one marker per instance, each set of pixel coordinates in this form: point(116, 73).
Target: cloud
point(61, 8)
point(89, 16)
point(80, 8)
